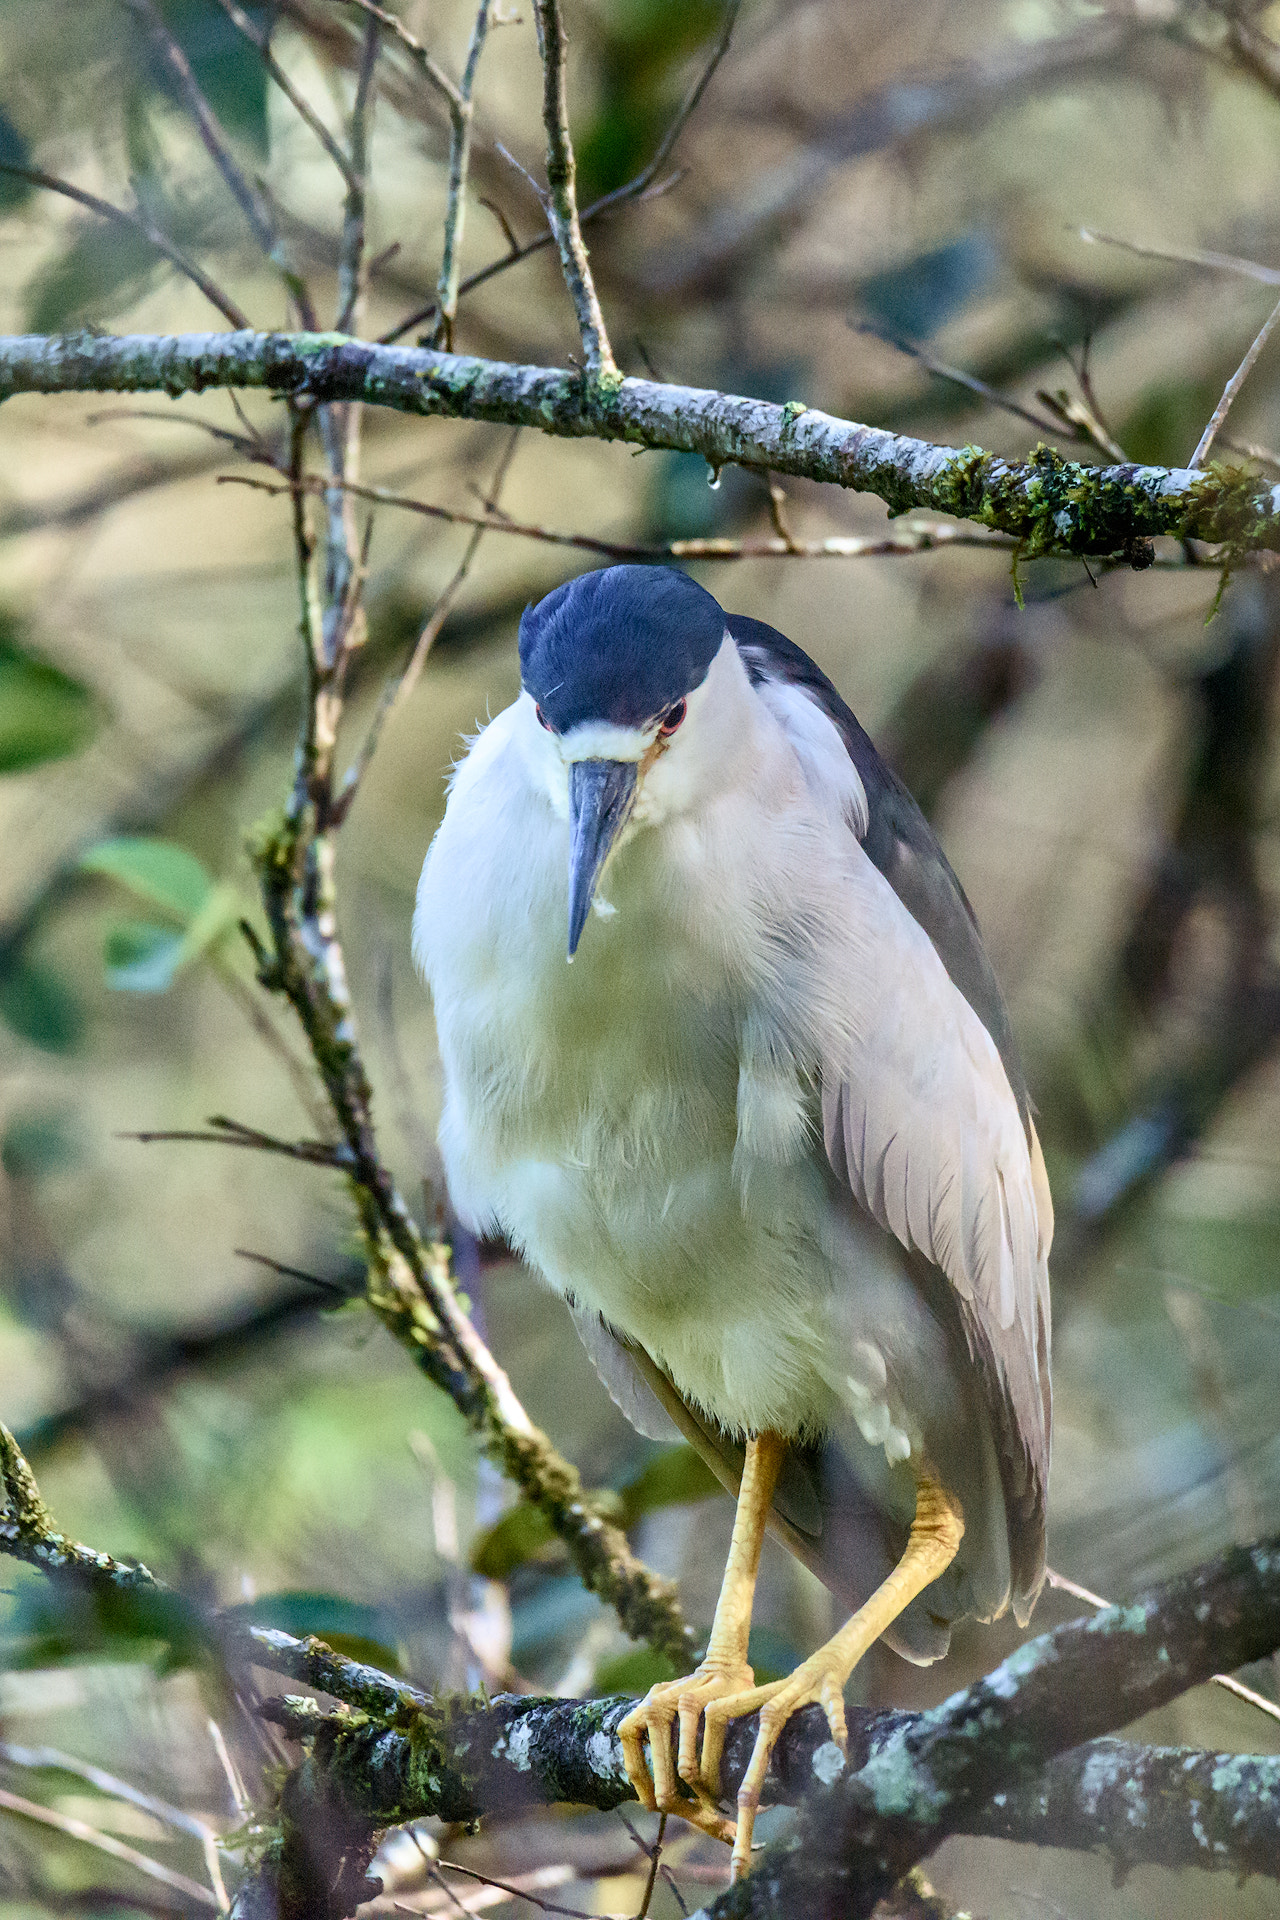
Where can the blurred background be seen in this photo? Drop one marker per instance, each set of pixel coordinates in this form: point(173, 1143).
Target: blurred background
point(866, 192)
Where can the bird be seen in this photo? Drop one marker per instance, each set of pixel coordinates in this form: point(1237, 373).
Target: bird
point(725, 1060)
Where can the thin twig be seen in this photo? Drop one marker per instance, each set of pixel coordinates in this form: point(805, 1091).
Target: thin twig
point(106, 1843)
point(957, 376)
point(260, 38)
point(522, 1892)
point(316, 1153)
point(634, 189)
point(52, 1759)
point(247, 196)
point(301, 1075)
point(910, 536)
point(350, 280)
point(1251, 450)
point(292, 1273)
point(1186, 256)
point(235, 1785)
point(563, 209)
point(462, 118)
point(655, 1861)
point(398, 689)
point(139, 222)
point(426, 65)
point(1233, 387)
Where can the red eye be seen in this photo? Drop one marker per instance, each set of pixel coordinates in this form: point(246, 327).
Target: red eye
point(543, 720)
point(672, 717)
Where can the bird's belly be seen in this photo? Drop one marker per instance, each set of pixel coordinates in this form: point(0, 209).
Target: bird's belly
point(606, 1153)
point(728, 1297)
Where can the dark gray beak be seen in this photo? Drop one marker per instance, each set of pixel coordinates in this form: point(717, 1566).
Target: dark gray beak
point(601, 793)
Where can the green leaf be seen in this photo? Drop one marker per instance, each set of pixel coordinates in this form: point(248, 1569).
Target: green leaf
point(675, 1477)
point(522, 1535)
point(632, 1672)
point(141, 957)
point(44, 714)
point(158, 871)
point(216, 918)
point(37, 1004)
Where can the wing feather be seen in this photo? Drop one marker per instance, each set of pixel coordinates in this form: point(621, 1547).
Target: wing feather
point(925, 1115)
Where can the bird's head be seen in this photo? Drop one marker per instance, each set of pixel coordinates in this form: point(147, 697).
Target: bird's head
point(616, 668)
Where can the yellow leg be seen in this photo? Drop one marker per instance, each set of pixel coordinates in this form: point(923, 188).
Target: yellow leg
point(936, 1533)
point(724, 1671)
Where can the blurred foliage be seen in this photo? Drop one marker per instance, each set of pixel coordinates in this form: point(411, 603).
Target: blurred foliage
point(144, 958)
point(916, 297)
point(1103, 770)
point(13, 153)
point(105, 269)
point(44, 714)
point(639, 48)
point(37, 1003)
point(224, 62)
point(676, 1476)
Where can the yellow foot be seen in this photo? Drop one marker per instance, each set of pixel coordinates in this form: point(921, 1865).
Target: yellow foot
point(818, 1680)
point(687, 1701)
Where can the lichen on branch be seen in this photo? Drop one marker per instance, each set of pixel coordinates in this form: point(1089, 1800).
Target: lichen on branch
point(1049, 504)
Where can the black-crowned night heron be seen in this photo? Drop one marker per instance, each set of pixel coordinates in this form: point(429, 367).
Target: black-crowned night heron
point(767, 1135)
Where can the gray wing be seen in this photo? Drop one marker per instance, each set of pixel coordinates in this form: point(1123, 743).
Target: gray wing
point(898, 840)
point(926, 1119)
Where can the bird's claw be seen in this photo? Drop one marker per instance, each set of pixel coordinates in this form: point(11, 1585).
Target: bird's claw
point(686, 1701)
point(819, 1681)
point(716, 1697)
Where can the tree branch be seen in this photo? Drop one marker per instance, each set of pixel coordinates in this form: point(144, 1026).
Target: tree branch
point(857, 1838)
point(1174, 1806)
point(1002, 1759)
point(563, 209)
point(461, 120)
point(1049, 504)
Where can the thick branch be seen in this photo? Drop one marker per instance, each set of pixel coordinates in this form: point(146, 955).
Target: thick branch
point(1049, 504)
point(983, 1763)
point(854, 1841)
point(1170, 1806)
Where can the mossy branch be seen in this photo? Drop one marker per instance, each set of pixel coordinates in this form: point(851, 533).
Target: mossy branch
point(1050, 505)
point(1004, 1758)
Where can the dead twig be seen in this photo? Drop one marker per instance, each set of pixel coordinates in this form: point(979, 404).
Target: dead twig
point(1233, 387)
point(398, 689)
point(634, 189)
point(139, 223)
point(106, 1843)
point(229, 1133)
point(910, 536)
